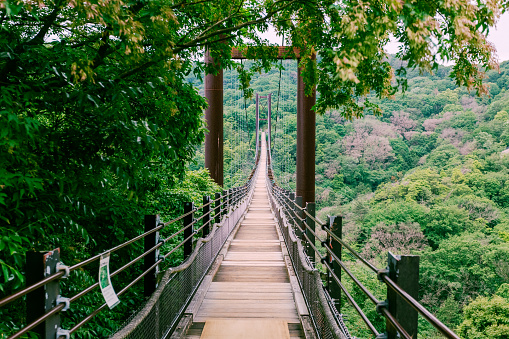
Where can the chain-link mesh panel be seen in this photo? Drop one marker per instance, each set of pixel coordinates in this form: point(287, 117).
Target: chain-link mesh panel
point(163, 310)
point(326, 324)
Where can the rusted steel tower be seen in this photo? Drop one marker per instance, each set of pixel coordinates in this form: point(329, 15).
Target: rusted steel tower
point(305, 126)
point(214, 119)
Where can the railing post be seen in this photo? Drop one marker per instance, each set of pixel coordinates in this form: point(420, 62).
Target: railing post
point(151, 240)
point(217, 209)
point(206, 216)
point(40, 265)
point(335, 224)
point(291, 207)
point(224, 208)
point(292, 196)
point(299, 216)
point(404, 271)
point(310, 208)
point(328, 256)
point(188, 232)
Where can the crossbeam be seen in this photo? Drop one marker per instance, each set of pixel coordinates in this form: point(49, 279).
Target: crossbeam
point(277, 52)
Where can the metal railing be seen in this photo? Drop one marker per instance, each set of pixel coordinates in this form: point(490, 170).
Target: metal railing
point(298, 224)
point(326, 321)
point(218, 217)
point(178, 285)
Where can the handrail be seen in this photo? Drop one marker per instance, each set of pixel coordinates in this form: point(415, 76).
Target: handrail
point(352, 301)
point(354, 252)
point(292, 210)
point(357, 282)
point(204, 253)
point(419, 308)
point(325, 323)
point(232, 200)
point(33, 287)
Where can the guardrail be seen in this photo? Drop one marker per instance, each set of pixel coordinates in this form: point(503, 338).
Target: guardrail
point(217, 218)
point(400, 309)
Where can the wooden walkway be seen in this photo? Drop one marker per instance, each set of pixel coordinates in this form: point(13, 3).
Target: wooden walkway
point(250, 293)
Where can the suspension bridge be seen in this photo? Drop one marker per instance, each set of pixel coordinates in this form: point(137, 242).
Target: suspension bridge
point(251, 259)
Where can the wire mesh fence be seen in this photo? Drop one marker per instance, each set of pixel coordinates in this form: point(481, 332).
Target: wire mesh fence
point(178, 285)
point(326, 320)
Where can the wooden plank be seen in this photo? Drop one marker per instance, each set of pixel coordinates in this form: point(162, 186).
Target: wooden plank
point(265, 312)
point(249, 303)
point(245, 329)
point(254, 263)
point(250, 287)
point(249, 278)
point(257, 242)
point(262, 270)
point(290, 318)
point(257, 224)
point(249, 296)
point(258, 228)
point(254, 236)
point(254, 256)
point(254, 248)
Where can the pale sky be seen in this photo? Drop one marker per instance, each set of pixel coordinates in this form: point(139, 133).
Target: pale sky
point(499, 36)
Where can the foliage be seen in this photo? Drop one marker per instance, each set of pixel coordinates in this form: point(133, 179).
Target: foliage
point(98, 120)
point(445, 186)
point(486, 317)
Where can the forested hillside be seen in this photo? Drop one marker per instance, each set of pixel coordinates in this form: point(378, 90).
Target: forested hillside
point(428, 177)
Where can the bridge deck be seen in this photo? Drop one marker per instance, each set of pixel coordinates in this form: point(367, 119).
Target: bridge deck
point(251, 294)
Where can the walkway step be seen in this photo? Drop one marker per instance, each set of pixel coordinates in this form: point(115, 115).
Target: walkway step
point(245, 329)
point(196, 330)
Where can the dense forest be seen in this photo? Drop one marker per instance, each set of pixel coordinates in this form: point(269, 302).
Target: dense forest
point(99, 122)
point(428, 177)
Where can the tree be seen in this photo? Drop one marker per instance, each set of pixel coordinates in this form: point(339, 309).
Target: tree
point(486, 317)
point(403, 238)
point(444, 222)
point(464, 267)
